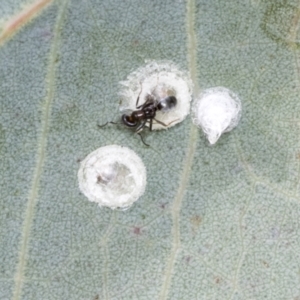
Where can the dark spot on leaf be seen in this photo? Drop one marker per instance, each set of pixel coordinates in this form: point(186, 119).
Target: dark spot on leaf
point(187, 259)
point(135, 42)
point(265, 264)
point(137, 230)
point(195, 221)
point(217, 279)
point(163, 205)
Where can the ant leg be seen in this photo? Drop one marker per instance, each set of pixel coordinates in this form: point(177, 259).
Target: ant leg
point(150, 127)
point(143, 140)
point(103, 125)
point(138, 98)
point(149, 100)
point(141, 126)
point(163, 124)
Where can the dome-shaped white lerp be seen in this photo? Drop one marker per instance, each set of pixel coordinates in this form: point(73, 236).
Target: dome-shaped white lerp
point(216, 110)
point(160, 80)
point(112, 176)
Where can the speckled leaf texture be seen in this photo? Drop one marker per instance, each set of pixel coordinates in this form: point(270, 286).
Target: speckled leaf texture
point(215, 222)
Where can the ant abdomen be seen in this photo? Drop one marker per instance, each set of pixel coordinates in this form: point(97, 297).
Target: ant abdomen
point(167, 104)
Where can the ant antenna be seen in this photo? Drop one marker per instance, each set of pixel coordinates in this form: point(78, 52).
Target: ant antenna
point(103, 125)
point(143, 139)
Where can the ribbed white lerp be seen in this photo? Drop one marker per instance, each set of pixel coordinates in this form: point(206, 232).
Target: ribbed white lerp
point(216, 110)
point(112, 176)
point(160, 79)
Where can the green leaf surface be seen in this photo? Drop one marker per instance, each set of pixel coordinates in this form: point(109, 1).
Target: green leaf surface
point(215, 222)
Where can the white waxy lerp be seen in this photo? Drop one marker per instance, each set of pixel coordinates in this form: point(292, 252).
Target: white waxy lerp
point(216, 110)
point(160, 80)
point(112, 176)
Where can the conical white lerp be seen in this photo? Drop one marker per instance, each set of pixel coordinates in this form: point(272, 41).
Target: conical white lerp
point(216, 110)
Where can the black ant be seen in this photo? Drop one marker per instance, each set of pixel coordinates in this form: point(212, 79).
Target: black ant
point(147, 113)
